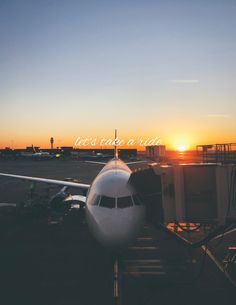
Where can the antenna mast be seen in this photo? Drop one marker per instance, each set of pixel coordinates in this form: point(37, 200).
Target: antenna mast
point(115, 146)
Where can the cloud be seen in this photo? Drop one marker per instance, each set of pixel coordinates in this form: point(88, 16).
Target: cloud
point(184, 81)
point(216, 115)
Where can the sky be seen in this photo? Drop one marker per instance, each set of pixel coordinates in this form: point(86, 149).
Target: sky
point(153, 68)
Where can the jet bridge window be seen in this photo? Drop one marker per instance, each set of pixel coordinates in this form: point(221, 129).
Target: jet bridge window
point(108, 202)
point(124, 202)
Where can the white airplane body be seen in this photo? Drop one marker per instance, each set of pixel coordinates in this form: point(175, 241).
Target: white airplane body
point(113, 210)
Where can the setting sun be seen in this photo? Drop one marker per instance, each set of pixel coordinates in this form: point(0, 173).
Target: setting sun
point(181, 147)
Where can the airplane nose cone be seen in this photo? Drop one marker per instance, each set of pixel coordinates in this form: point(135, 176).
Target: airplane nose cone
point(116, 228)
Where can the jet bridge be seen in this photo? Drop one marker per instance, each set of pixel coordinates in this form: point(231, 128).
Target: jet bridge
point(149, 186)
point(198, 193)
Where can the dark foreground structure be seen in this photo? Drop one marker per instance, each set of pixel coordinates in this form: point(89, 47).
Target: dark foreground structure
point(43, 261)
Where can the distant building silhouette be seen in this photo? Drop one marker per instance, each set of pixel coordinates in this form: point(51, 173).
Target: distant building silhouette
point(156, 152)
point(52, 141)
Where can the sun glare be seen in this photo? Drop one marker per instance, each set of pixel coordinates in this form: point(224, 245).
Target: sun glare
point(181, 147)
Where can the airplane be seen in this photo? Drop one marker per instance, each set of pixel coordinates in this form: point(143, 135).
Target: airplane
point(37, 155)
point(94, 156)
point(113, 209)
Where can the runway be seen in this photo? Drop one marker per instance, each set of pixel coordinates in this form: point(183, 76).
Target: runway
point(42, 264)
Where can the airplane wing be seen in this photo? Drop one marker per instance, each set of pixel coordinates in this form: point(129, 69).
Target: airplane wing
point(104, 163)
point(50, 181)
point(136, 162)
point(96, 162)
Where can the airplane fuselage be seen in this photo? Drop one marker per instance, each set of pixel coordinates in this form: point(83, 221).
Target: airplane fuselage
point(113, 210)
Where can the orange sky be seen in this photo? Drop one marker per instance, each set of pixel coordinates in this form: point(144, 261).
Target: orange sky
point(97, 140)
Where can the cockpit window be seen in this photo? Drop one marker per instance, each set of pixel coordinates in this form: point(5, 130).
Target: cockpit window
point(136, 200)
point(123, 202)
point(108, 202)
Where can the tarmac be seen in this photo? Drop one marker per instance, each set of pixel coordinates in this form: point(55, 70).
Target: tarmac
point(42, 264)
